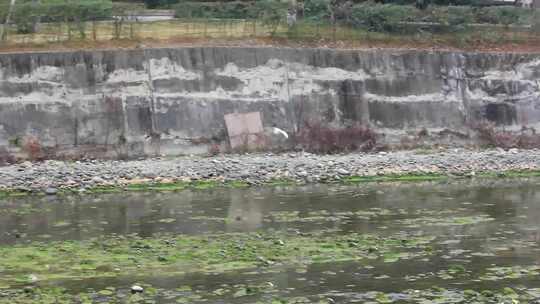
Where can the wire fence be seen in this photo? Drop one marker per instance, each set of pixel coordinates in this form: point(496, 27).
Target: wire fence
point(123, 28)
point(128, 28)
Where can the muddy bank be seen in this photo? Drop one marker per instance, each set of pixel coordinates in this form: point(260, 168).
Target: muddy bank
point(254, 169)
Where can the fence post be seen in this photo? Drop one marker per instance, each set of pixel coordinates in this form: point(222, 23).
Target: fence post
point(3, 33)
point(535, 24)
point(68, 28)
point(58, 31)
point(334, 29)
point(94, 29)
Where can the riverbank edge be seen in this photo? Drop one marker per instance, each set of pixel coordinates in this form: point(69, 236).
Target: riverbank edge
point(213, 183)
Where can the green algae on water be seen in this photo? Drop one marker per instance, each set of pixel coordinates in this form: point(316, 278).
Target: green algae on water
point(112, 256)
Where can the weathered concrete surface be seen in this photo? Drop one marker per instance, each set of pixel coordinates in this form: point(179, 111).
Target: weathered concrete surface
point(132, 103)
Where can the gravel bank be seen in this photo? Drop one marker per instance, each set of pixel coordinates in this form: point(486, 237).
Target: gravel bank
point(50, 176)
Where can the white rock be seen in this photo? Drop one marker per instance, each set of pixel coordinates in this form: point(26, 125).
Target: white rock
point(32, 278)
point(136, 289)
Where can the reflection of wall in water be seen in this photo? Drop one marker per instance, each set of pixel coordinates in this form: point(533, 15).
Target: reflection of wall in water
point(245, 212)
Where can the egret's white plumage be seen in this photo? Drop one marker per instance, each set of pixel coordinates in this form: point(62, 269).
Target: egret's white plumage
point(277, 131)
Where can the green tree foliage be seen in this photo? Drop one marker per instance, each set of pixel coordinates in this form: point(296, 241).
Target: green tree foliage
point(455, 18)
point(160, 3)
point(25, 16)
point(506, 15)
point(270, 12)
point(381, 17)
point(453, 2)
point(226, 10)
point(27, 13)
point(390, 18)
point(370, 16)
point(317, 10)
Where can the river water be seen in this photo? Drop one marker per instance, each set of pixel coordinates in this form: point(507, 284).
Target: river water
point(485, 240)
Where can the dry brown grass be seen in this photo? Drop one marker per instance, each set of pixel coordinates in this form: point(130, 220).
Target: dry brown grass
point(248, 33)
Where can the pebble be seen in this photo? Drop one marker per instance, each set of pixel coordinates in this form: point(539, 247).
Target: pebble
point(50, 176)
point(97, 180)
point(343, 171)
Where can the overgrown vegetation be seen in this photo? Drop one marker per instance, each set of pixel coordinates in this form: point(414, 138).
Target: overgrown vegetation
point(270, 12)
point(385, 16)
point(317, 10)
point(381, 17)
point(159, 3)
point(389, 18)
point(227, 10)
point(41, 22)
point(75, 14)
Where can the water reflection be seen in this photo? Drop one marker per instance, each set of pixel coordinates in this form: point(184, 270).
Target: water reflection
point(245, 212)
point(361, 208)
point(474, 224)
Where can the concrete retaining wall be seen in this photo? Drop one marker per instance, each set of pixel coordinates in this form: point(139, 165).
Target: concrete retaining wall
point(134, 103)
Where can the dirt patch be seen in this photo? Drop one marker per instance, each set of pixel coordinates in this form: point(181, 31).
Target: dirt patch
point(532, 44)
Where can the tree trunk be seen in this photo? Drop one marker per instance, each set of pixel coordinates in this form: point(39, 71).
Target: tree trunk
point(8, 17)
point(37, 19)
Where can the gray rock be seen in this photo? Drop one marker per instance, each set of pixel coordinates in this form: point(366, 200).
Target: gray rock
point(51, 191)
point(98, 180)
point(302, 173)
point(343, 171)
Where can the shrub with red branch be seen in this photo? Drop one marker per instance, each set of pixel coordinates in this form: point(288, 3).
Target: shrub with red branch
point(318, 138)
point(33, 148)
point(525, 139)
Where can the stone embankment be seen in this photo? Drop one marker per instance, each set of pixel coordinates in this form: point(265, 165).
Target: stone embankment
point(53, 176)
point(173, 101)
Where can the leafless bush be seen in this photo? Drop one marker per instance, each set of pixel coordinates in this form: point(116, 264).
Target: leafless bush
point(32, 147)
point(526, 138)
point(318, 138)
point(5, 157)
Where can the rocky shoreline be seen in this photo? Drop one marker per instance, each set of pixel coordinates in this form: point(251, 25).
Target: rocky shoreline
point(254, 169)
